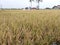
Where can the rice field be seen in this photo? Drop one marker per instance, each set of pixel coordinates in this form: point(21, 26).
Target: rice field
point(29, 27)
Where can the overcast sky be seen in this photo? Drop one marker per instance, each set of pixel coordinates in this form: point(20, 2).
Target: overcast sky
point(26, 3)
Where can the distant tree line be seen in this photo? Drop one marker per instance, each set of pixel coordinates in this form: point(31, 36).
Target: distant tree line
point(27, 8)
point(54, 7)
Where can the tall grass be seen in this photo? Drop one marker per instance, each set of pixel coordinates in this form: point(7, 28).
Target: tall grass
point(35, 27)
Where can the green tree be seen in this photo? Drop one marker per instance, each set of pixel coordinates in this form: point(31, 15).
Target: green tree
point(31, 2)
point(38, 3)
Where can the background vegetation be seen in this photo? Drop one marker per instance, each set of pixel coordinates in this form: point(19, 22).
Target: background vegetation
point(34, 27)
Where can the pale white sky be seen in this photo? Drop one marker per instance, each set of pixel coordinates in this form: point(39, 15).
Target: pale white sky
point(26, 3)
